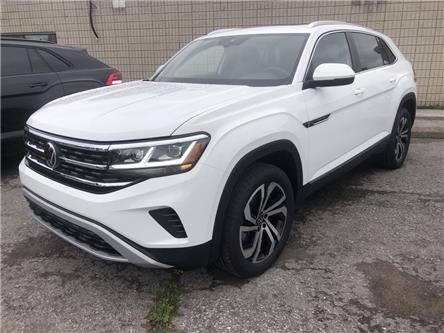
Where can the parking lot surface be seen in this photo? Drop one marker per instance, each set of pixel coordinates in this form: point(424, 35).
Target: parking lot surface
point(366, 254)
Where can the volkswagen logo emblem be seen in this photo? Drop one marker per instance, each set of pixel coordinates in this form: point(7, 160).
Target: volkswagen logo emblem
point(51, 155)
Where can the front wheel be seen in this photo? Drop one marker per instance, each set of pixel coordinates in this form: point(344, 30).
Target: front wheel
point(258, 221)
point(396, 151)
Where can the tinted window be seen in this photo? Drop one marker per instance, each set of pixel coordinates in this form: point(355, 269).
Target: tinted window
point(56, 64)
point(37, 63)
point(370, 52)
point(332, 48)
point(255, 60)
point(388, 56)
point(15, 61)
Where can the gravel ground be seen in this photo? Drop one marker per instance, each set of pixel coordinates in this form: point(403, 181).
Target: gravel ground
point(366, 255)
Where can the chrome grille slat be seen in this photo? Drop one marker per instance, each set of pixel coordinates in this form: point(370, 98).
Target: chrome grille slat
point(81, 180)
point(89, 157)
point(83, 165)
point(35, 147)
point(69, 142)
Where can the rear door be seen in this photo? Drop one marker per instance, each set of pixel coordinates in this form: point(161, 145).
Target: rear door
point(374, 79)
point(83, 72)
point(27, 84)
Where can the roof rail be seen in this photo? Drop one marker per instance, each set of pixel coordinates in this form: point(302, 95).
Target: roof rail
point(319, 23)
point(221, 30)
point(16, 39)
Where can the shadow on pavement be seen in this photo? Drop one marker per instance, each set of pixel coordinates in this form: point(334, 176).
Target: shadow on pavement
point(9, 165)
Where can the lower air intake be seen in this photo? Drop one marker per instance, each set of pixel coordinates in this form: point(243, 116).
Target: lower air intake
point(80, 234)
point(170, 221)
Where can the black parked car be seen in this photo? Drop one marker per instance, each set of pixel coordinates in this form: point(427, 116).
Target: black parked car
point(34, 73)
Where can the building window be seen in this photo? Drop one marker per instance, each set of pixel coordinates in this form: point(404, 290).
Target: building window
point(44, 36)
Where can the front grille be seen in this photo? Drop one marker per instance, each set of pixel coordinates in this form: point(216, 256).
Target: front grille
point(79, 164)
point(80, 234)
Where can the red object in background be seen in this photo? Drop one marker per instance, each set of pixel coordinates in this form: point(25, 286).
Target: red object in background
point(114, 78)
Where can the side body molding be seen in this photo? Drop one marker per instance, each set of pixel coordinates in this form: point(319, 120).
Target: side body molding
point(316, 121)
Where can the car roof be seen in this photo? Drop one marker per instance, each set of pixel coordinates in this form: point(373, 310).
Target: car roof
point(76, 56)
point(39, 43)
point(313, 27)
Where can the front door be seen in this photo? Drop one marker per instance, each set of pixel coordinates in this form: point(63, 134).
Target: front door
point(334, 112)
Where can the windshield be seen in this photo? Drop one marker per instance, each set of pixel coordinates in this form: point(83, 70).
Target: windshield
point(254, 60)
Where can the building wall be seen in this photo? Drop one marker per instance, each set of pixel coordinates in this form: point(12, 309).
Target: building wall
point(138, 38)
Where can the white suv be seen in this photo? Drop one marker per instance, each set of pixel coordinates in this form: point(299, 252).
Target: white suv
point(207, 161)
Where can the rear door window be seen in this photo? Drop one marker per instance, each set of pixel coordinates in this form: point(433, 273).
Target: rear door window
point(370, 52)
point(56, 64)
point(15, 61)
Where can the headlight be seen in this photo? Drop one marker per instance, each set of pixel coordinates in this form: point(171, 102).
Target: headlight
point(161, 157)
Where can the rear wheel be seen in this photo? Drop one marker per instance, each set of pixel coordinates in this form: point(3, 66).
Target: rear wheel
point(396, 151)
point(258, 222)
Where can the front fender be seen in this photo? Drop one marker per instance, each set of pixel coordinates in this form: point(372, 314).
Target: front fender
point(235, 147)
point(229, 147)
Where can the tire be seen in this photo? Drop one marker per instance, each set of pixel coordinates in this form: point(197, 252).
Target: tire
point(397, 148)
point(245, 228)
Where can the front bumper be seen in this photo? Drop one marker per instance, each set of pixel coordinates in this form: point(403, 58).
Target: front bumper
point(122, 219)
point(46, 213)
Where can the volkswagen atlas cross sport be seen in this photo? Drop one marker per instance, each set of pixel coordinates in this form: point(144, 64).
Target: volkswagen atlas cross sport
point(207, 161)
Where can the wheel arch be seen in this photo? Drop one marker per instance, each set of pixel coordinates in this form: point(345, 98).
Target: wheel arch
point(281, 153)
point(409, 102)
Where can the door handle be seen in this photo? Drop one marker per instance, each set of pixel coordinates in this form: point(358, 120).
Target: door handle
point(38, 84)
point(358, 91)
point(392, 80)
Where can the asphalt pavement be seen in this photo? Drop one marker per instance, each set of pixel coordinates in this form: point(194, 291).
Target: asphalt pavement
point(366, 254)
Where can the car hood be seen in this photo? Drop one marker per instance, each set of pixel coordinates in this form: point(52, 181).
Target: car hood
point(135, 110)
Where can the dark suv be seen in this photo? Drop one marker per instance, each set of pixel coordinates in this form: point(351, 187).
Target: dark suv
point(34, 73)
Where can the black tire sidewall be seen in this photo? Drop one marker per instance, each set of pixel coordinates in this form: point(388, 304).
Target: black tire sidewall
point(250, 181)
point(392, 144)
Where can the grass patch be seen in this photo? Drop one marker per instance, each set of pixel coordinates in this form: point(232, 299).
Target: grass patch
point(166, 304)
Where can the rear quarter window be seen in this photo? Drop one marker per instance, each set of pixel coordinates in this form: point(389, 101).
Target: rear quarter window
point(389, 57)
point(37, 63)
point(80, 59)
point(56, 64)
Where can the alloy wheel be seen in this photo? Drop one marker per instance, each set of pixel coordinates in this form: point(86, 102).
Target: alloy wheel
point(265, 216)
point(402, 138)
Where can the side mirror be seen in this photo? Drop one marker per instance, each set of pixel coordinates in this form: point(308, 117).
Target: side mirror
point(330, 75)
